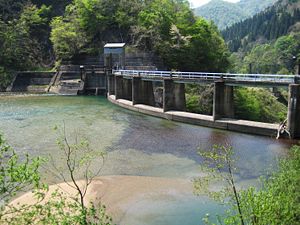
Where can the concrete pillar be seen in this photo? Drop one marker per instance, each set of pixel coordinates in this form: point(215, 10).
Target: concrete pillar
point(142, 92)
point(127, 89)
point(173, 96)
point(223, 104)
point(118, 86)
point(111, 84)
point(123, 88)
point(293, 123)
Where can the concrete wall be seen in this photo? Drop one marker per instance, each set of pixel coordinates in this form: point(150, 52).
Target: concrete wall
point(223, 104)
point(142, 92)
point(123, 88)
point(174, 96)
point(31, 81)
point(94, 80)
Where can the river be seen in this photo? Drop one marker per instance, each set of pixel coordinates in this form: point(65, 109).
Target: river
point(137, 145)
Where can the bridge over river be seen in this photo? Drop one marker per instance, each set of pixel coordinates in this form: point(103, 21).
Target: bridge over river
point(133, 89)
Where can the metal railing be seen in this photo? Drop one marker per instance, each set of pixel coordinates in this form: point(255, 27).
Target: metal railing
point(269, 78)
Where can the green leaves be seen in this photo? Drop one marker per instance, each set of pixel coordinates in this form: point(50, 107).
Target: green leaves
point(259, 105)
point(67, 37)
point(16, 175)
point(277, 202)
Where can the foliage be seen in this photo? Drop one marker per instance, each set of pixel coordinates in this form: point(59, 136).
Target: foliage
point(67, 38)
point(167, 28)
point(224, 14)
point(258, 105)
point(18, 175)
point(5, 78)
point(218, 163)
point(272, 23)
point(278, 200)
point(96, 23)
point(59, 209)
point(78, 28)
point(79, 158)
point(22, 41)
point(199, 99)
point(275, 202)
point(184, 42)
point(275, 57)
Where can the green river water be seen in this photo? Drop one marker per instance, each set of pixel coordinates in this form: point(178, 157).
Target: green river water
point(137, 145)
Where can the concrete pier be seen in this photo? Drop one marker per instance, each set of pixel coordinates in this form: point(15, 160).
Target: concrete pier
point(173, 96)
point(134, 90)
point(123, 88)
point(111, 84)
point(244, 126)
point(223, 105)
point(142, 92)
point(293, 123)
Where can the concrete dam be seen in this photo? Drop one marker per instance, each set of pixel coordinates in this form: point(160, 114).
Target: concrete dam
point(134, 88)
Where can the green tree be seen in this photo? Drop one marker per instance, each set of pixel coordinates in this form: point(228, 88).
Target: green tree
point(258, 104)
point(21, 45)
point(67, 38)
point(275, 202)
point(278, 199)
point(219, 165)
point(17, 176)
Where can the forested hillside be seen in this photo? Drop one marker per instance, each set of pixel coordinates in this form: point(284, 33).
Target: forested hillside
point(267, 42)
point(267, 25)
point(39, 33)
point(224, 14)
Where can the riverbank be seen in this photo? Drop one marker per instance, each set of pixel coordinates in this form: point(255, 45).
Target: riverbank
point(124, 195)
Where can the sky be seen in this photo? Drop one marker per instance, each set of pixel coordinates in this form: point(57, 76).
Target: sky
point(197, 3)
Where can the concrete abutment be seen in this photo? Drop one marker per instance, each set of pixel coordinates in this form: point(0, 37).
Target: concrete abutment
point(173, 96)
point(223, 102)
point(111, 84)
point(123, 88)
point(142, 92)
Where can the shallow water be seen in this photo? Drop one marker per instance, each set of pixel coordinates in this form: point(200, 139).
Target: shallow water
point(137, 145)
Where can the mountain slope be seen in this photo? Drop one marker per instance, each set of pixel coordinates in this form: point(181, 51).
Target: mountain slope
point(269, 42)
point(270, 24)
point(224, 14)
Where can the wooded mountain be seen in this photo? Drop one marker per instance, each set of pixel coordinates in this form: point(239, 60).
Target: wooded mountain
point(224, 14)
point(267, 42)
point(276, 21)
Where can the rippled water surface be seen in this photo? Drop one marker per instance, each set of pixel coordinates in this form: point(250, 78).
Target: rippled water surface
point(137, 145)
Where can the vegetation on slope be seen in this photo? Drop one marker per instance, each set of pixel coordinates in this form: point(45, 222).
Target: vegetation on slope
point(224, 14)
point(258, 104)
point(278, 200)
point(48, 33)
point(18, 176)
point(270, 24)
point(274, 57)
point(168, 28)
point(275, 202)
